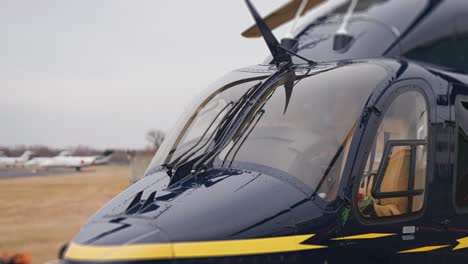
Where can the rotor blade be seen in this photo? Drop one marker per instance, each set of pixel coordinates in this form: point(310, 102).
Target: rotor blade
point(280, 16)
point(264, 31)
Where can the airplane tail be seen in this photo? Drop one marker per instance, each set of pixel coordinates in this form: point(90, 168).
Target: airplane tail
point(104, 157)
point(107, 153)
point(26, 155)
point(64, 153)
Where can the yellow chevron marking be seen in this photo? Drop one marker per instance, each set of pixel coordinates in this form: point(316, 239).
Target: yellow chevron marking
point(364, 236)
point(462, 243)
point(190, 249)
point(423, 249)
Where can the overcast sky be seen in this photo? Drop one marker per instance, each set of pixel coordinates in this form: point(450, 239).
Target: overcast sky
point(102, 73)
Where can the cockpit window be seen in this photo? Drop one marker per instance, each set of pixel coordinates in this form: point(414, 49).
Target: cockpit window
point(306, 137)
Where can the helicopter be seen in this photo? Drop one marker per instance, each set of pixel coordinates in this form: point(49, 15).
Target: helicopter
point(349, 144)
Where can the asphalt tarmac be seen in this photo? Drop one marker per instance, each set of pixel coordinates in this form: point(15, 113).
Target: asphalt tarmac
point(20, 172)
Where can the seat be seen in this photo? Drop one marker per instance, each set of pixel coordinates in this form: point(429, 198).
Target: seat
point(419, 183)
point(395, 179)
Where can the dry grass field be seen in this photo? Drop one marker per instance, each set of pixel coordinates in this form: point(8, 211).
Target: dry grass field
point(39, 214)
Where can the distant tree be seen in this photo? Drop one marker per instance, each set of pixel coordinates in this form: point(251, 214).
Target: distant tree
point(42, 151)
point(83, 150)
point(155, 138)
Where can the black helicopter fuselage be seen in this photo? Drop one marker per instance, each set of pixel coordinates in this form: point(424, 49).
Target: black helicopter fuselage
point(359, 159)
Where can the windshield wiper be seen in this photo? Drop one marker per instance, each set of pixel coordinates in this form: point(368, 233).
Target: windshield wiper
point(288, 86)
point(226, 126)
point(248, 109)
point(174, 164)
point(180, 158)
point(181, 161)
point(259, 116)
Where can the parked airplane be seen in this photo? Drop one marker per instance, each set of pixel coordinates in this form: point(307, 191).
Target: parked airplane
point(37, 161)
point(66, 160)
point(13, 161)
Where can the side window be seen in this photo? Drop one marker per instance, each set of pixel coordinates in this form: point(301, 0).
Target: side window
point(448, 52)
point(394, 179)
point(461, 184)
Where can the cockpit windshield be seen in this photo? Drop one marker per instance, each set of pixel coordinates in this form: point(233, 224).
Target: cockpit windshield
point(304, 132)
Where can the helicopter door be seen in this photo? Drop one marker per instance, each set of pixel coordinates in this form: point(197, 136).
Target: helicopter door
point(389, 221)
point(457, 216)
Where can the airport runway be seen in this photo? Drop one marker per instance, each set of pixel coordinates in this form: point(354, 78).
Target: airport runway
point(18, 172)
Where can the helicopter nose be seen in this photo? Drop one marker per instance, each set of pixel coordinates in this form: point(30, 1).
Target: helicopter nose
point(119, 239)
point(190, 221)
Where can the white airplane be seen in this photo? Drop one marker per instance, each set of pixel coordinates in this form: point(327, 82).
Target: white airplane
point(65, 160)
point(13, 161)
point(38, 161)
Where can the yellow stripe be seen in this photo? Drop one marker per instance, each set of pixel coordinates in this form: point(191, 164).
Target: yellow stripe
point(423, 249)
point(190, 249)
point(126, 252)
point(462, 243)
point(243, 247)
point(364, 236)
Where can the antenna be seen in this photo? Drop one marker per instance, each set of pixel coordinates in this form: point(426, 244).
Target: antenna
point(342, 39)
point(279, 55)
point(289, 41)
point(299, 12)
